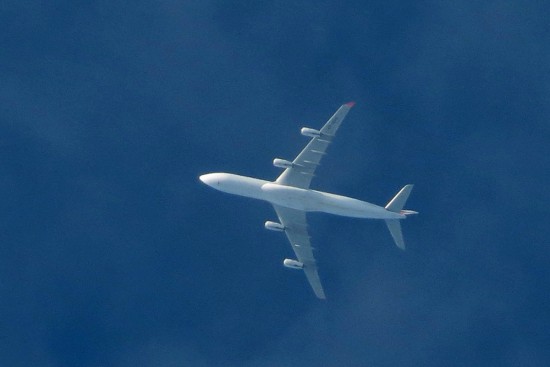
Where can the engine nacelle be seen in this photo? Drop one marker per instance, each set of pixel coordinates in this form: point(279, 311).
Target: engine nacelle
point(282, 163)
point(312, 133)
point(274, 226)
point(293, 264)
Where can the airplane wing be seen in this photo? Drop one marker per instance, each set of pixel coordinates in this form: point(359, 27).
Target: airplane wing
point(303, 167)
point(295, 225)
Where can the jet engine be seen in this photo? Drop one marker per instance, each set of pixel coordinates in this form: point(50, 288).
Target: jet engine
point(273, 226)
point(312, 133)
point(293, 264)
point(282, 163)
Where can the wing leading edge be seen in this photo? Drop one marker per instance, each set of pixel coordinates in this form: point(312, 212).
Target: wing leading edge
point(303, 167)
point(295, 225)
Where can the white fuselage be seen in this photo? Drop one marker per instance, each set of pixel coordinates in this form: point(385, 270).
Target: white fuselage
point(296, 198)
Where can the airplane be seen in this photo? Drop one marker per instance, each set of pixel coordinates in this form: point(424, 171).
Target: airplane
point(292, 198)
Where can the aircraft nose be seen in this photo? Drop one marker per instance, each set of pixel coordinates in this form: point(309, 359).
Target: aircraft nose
point(211, 179)
point(207, 179)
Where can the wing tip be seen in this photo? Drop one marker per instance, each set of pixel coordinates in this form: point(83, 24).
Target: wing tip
point(350, 104)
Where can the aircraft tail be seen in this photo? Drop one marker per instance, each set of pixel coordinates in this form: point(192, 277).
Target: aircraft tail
point(396, 205)
point(394, 225)
point(398, 202)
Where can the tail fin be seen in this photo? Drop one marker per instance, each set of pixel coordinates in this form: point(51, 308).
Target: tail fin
point(396, 205)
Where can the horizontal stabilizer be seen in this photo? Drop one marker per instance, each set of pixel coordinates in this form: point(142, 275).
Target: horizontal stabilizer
point(398, 202)
point(394, 225)
point(396, 205)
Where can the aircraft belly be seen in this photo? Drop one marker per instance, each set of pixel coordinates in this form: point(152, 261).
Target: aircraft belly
point(290, 197)
point(349, 207)
point(317, 201)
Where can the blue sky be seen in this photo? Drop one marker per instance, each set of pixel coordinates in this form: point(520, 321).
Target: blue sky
point(114, 254)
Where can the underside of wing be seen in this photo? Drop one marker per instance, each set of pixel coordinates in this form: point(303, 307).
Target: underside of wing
point(295, 227)
point(303, 167)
